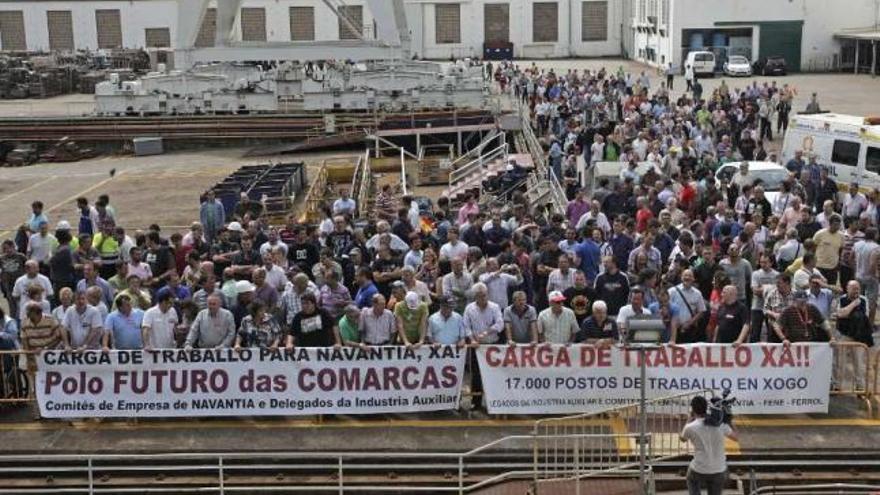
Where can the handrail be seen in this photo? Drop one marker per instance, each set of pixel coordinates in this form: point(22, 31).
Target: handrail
point(356, 176)
point(403, 171)
point(493, 135)
point(477, 163)
point(829, 488)
point(366, 185)
point(225, 463)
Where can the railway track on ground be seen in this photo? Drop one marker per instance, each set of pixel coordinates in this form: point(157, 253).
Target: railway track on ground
point(225, 127)
point(394, 473)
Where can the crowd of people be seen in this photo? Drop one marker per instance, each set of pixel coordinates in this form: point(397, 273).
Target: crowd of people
point(715, 262)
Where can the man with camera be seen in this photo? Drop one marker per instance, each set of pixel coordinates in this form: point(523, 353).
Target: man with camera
point(709, 465)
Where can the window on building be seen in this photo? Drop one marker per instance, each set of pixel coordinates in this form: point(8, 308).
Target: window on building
point(845, 152)
point(302, 23)
point(642, 11)
point(496, 22)
point(108, 24)
point(355, 15)
point(60, 26)
point(872, 160)
point(447, 23)
point(594, 21)
point(207, 30)
point(157, 37)
point(545, 22)
point(664, 12)
point(253, 24)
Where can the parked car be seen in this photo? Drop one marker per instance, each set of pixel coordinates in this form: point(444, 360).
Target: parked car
point(737, 65)
point(770, 66)
point(771, 176)
point(702, 62)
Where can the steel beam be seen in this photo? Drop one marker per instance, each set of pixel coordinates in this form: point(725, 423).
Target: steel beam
point(304, 51)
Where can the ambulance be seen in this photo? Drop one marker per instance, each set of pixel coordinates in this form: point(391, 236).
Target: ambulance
point(847, 144)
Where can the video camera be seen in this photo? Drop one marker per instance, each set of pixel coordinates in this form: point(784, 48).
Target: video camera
point(720, 409)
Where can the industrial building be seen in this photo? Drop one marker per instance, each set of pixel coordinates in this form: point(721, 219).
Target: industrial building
point(812, 35)
point(439, 29)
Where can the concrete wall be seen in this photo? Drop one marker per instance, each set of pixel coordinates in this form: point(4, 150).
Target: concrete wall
point(521, 23)
point(822, 18)
point(136, 15)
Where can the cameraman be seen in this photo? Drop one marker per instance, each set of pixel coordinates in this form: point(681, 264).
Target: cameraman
point(709, 465)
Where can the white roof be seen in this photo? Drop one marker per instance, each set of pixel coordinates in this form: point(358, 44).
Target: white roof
point(837, 119)
point(756, 166)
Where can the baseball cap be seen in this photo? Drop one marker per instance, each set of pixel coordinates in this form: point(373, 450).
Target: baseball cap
point(556, 296)
point(412, 300)
point(234, 227)
point(63, 225)
point(243, 286)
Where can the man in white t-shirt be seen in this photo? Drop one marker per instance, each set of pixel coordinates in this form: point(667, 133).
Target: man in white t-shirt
point(158, 324)
point(709, 466)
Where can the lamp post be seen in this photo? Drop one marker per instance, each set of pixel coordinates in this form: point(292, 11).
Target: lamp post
point(643, 333)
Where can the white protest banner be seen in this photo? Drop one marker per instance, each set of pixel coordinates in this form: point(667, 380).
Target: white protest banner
point(764, 378)
point(253, 382)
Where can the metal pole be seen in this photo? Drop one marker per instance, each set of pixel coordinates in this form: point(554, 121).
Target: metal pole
point(341, 482)
point(856, 70)
point(873, 59)
point(643, 420)
point(220, 474)
point(460, 475)
point(91, 478)
point(577, 466)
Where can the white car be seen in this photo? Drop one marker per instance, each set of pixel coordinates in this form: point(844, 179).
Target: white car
point(737, 65)
point(770, 174)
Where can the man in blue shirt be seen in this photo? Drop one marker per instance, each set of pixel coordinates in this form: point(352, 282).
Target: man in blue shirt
point(796, 164)
point(364, 296)
point(588, 253)
point(123, 326)
point(445, 327)
point(37, 216)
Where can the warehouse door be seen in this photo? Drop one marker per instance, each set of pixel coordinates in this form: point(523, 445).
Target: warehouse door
point(496, 22)
point(60, 25)
point(12, 30)
point(355, 15)
point(783, 38)
point(253, 24)
point(208, 29)
point(108, 24)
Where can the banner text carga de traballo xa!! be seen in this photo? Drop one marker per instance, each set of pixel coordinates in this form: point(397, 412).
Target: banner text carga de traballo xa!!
point(253, 382)
point(764, 378)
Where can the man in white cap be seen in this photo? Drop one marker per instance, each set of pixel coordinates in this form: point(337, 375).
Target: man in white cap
point(246, 292)
point(557, 324)
point(412, 320)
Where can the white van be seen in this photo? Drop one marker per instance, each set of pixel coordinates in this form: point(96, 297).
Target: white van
point(702, 62)
point(848, 144)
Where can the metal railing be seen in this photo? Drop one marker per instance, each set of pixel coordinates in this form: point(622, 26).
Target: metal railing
point(818, 489)
point(477, 164)
point(365, 184)
point(851, 372)
point(15, 381)
point(556, 191)
point(403, 171)
point(492, 137)
point(666, 417)
point(344, 471)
